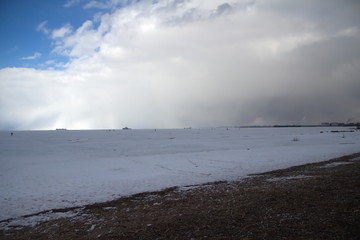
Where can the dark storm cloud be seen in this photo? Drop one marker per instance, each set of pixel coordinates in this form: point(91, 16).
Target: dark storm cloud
point(322, 84)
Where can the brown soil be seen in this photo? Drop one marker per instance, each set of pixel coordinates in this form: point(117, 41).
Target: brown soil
point(313, 201)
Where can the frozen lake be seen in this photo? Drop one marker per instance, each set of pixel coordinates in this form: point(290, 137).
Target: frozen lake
point(42, 170)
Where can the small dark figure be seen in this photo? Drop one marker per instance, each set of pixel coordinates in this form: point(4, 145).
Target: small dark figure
point(12, 133)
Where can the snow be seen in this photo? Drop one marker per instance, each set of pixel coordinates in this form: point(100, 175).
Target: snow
point(18, 223)
point(334, 164)
point(356, 159)
point(278, 179)
point(43, 170)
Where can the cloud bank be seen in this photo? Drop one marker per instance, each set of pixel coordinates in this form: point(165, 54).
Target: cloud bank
point(197, 63)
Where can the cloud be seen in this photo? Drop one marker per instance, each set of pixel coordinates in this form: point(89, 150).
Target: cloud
point(33, 57)
point(71, 3)
point(348, 32)
point(107, 4)
point(83, 42)
point(97, 4)
point(61, 32)
point(195, 63)
point(224, 9)
point(42, 27)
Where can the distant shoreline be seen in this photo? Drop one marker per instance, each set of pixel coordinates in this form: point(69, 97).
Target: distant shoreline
point(356, 126)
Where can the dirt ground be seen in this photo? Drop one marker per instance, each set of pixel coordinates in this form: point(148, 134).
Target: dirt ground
point(313, 201)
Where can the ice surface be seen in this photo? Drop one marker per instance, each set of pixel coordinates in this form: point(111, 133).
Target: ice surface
point(42, 170)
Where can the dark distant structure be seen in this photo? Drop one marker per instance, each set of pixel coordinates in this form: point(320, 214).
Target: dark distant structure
point(338, 124)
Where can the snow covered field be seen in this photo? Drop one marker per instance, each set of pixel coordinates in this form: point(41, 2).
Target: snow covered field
point(42, 170)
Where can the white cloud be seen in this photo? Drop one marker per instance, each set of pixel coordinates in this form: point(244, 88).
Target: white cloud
point(106, 4)
point(83, 42)
point(193, 62)
point(71, 3)
point(33, 57)
point(42, 27)
point(61, 32)
point(50, 62)
point(97, 4)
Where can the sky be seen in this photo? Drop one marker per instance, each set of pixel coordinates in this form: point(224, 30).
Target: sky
point(87, 64)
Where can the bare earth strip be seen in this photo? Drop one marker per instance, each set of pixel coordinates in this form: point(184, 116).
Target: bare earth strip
point(313, 201)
